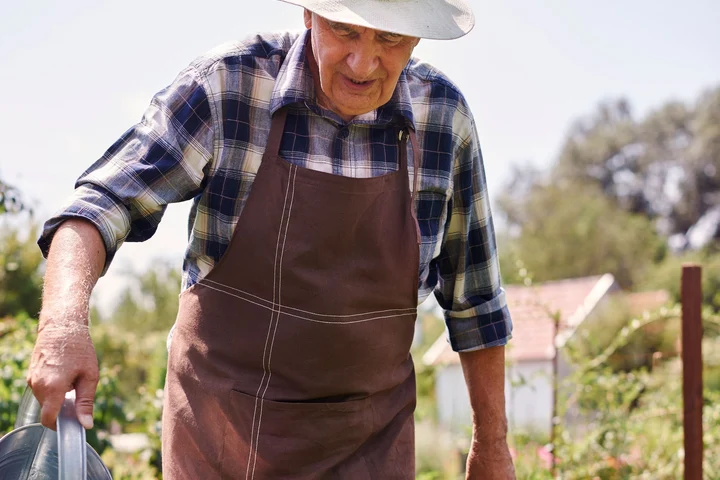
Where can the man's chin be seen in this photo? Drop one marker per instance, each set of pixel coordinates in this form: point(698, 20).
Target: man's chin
point(355, 110)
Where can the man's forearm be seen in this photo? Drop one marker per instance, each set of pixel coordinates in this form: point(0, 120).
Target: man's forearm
point(64, 357)
point(485, 377)
point(484, 372)
point(75, 262)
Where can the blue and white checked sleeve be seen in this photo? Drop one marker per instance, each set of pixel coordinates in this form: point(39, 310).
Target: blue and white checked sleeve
point(156, 162)
point(469, 286)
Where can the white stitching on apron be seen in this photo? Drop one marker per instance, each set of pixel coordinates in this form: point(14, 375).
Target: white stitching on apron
point(284, 308)
point(281, 310)
point(293, 171)
point(265, 370)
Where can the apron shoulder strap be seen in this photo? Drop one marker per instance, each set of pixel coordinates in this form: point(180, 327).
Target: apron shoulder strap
point(277, 127)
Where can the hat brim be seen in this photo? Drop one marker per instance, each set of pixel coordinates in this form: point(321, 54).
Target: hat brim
point(433, 19)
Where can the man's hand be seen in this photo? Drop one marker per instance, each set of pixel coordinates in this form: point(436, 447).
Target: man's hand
point(64, 356)
point(489, 457)
point(64, 359)
point(490, 461)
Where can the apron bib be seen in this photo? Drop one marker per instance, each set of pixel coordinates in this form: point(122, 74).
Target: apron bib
point(290, 359)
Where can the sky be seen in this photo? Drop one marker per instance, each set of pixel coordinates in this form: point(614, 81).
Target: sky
point(76, 74)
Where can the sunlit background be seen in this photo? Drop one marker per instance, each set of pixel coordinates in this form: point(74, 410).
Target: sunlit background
point(599, 124)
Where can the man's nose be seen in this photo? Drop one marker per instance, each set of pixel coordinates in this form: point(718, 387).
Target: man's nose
point(363, 60)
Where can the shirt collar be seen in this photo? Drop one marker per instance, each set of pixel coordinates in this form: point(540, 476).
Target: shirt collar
point(295, 84)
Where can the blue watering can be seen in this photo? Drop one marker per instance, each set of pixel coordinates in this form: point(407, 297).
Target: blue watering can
point(33, 452)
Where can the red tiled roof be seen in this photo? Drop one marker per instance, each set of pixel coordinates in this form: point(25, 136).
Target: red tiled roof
point(532, 309)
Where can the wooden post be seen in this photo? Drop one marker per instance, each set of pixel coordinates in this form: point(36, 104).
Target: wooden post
point(553, 418)
point(691, 291)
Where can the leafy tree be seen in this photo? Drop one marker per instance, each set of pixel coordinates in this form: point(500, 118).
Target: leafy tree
point(665, 166)
point(617, 180)
point(20, 259)
point(10, 199)
point(570, 230)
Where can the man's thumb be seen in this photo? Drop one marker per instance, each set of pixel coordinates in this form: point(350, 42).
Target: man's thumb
point(84, 401)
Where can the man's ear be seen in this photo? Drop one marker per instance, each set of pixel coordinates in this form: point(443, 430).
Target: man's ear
point(307, 16)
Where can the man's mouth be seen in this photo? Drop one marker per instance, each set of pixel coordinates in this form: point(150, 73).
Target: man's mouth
point(353, 83)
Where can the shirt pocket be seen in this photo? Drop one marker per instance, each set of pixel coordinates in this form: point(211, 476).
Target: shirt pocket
point(432, 211)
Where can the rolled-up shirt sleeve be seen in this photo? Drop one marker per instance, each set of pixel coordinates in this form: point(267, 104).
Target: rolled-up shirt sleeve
point(469, 286)
point(159, 161)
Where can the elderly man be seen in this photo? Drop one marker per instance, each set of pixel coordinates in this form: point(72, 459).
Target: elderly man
point(336, 183)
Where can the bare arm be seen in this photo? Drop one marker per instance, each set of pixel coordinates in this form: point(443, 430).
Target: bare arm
point(75, 261)
point(64, 357)
point(489, 457)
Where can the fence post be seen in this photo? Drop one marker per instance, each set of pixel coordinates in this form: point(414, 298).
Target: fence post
point(691, 292)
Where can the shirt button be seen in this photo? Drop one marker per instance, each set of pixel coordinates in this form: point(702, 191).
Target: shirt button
point(344, 132)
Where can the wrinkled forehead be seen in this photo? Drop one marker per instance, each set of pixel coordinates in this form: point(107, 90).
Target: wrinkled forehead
point(350, 27)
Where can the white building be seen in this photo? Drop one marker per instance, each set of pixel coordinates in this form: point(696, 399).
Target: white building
point(530, 353)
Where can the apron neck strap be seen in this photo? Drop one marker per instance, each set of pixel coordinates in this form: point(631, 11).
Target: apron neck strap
point(278, 126)
point(416, 161)
point(276, 131)
point(406, 132)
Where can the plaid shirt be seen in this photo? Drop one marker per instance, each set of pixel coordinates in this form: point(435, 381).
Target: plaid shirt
point(203, 137)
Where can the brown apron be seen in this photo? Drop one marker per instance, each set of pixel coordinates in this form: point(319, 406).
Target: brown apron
point(290, 359)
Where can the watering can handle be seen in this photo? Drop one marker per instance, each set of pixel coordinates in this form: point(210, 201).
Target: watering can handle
point(72, 450)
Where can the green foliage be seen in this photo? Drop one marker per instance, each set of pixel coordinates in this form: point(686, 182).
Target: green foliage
point(530, 458)
point(133, 340)
point(17, 338)
point(664, 276)
point(10, 199)
point(116, 409)
point(620, 424)
point(639, 350)
point(20, 271)
point(616, 422)
point(619, 188)
point(141, 358)
point(108, 411)
point(568, 231)
point(139, 363)
point(431, 328)
point(437, 455)
point(143, 417)
point(151, 303)
point(637, 162)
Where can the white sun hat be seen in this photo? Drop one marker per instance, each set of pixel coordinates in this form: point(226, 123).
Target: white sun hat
point(434, 19)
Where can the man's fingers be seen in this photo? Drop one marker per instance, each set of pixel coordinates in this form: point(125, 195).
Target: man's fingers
point(50, 409)
point(84, 400)
point(63, 359)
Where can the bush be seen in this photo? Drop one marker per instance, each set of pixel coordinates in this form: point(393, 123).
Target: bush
point(20, 270)
point(111, 413)
point(665, 276)
point(16, 344)
point(630, 423)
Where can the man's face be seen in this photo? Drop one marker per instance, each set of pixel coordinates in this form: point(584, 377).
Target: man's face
point(355, 68)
